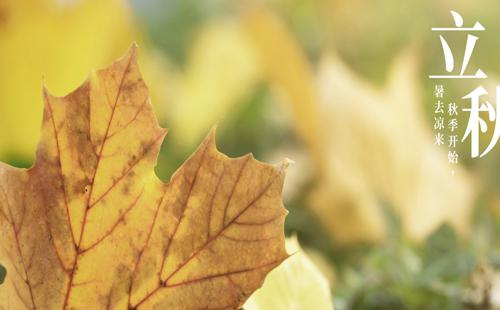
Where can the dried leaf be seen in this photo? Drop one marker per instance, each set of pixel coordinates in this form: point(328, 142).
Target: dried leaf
point(91, 226)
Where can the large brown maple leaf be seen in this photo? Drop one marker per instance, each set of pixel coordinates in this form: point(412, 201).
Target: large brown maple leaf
point(90, 226)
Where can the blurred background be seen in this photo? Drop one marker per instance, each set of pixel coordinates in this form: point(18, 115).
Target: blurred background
point(340, 87)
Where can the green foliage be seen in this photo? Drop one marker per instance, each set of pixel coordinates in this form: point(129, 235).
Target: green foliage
point(401, 275)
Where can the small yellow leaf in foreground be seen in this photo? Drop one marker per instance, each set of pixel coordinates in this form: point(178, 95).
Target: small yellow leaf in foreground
point(295, 284)
point(90, 226)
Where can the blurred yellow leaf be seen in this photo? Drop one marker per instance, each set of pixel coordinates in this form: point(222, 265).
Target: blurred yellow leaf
point(287, 69)
point(381, 151)
point(227, 59)
point(221, 70)
point(90, 226)
point(58, 42)
point(370, 146)
point(296, 284)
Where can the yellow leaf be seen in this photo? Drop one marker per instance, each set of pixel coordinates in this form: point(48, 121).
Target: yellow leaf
point(295, 284)
point(221, 70)
point(368, 146)
point(90, 225)
point(53, 41)
point(381, 150)
point(287, 69)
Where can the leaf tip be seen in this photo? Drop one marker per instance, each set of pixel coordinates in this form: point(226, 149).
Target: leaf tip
point(209, 140)
point(45, 90)
point(47, 96)
point(283, 165)
point(129, 57)
point(133, 50)
point(212, 132)
point(163, 134)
